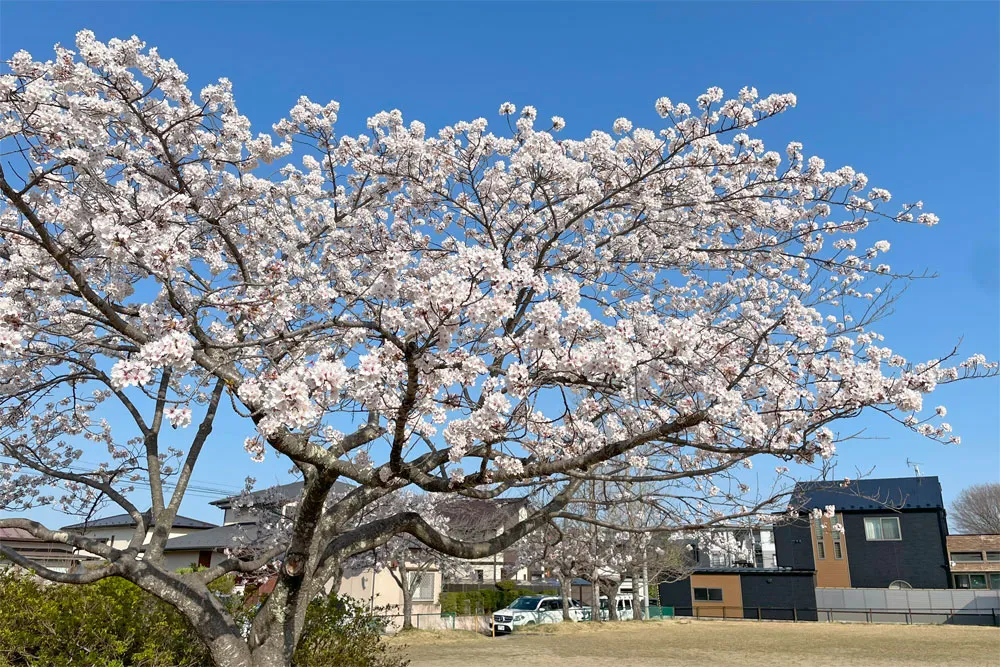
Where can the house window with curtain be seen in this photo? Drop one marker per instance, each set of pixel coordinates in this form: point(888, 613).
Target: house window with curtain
point(882, 528)
point(425, 587)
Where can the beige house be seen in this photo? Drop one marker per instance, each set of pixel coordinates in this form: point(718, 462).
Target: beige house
point(240, 524)
point(116, 531)
point(379, 589)
point(198, 543)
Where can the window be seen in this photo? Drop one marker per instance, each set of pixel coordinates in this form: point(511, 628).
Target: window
point(882, 528)
point(425, 586)
point(973, 581)
point(708, 594)
point(820, 549)
point(551, 605)
point(479, 575)
point(838, 550)
point(995, 581)
point(967, 556)
point(993, 555)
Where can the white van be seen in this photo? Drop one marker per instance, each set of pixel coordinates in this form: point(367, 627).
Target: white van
point(623, 604)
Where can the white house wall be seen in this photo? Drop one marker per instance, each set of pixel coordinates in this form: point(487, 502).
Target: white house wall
point(118, 537)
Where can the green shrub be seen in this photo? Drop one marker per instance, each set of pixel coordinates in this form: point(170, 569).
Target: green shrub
point(114, 623)
point(341, 632)
point(111, 623)
point(449, 603)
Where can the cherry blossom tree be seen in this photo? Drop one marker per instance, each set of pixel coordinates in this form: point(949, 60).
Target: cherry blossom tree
point(468, 311)
point(561, 550)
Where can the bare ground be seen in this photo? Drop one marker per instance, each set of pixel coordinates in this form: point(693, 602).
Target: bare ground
point(682, 642)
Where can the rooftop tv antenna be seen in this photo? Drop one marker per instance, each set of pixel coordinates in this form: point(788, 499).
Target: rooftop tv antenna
point(915, 465)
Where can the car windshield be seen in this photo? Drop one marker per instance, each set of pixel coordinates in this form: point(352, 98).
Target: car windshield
point(525, 604)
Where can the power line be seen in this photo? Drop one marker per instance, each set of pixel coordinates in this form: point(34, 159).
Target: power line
point(194, 488)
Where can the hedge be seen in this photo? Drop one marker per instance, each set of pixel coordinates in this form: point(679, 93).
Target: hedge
point(484, 600)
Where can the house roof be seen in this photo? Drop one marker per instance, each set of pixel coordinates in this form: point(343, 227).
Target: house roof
point(17, 534)
point(899, 493)
point(282, 492)
point(44, 552)
point(127, 520)
point(219, 537)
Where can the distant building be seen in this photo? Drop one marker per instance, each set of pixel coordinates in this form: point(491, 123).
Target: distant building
point(894, 536)
point(241, 516)
point(743, 592)
point(733, 546)
point(55, 556)
point(116, 531)
point(974, 561)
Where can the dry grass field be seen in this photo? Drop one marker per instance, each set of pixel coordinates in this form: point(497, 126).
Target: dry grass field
point(723, 643)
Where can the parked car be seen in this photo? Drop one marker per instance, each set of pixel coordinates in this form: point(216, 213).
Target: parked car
point(533, 610)
point(623, 604)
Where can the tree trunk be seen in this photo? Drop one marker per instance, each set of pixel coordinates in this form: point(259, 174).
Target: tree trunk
point(407, 609)
point(231, 651)
point(645, 585)
point(270, 656)
point(637, 597)
point(407, 605)
point(595, 595)
point(406, 581)
point(613, 601)
point(564, 584)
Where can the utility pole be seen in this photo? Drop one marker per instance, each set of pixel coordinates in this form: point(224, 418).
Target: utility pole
point(645, 582)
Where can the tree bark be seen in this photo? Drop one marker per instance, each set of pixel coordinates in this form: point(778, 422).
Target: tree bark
point(408, 579)
point(637, 597)
point(595, 595)
point(564, 584)
point(613, 601)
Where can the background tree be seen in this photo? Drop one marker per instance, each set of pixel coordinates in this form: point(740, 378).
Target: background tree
point(560, 551)
point(461, 312)
point(977, 509)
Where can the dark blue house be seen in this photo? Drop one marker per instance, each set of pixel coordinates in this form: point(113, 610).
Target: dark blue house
point(894, 533)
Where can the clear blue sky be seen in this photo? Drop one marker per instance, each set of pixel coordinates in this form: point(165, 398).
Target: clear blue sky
point(907, 93)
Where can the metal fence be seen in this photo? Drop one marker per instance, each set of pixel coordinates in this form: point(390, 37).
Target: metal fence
point(908, 616)
point(659, 613)
point(445, 621)
point(915, 605)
